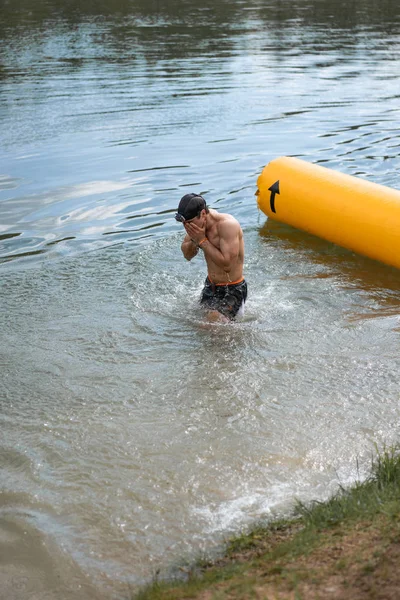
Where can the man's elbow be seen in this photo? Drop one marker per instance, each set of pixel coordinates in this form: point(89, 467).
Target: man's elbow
point(188, 253)
point(228, 262)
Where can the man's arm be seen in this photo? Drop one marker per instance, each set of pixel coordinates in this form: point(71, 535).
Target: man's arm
point(228, 250)
point(189, 248)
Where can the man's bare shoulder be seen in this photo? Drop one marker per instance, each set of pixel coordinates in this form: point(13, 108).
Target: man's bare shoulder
point(227, 224)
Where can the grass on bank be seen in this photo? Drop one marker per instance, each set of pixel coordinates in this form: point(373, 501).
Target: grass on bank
point(347, 547)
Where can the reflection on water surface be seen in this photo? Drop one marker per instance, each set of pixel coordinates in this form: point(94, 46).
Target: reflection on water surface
point(142, 101)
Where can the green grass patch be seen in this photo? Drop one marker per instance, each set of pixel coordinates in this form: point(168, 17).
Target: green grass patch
point(269, 553)
point(378, 494)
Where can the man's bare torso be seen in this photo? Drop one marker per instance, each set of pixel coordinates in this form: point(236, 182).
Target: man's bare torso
point(220, 224)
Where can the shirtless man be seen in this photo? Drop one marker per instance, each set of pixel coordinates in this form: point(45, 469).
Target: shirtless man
point(220, 238)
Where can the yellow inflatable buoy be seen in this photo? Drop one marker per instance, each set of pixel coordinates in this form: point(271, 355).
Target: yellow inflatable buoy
point(348, 211)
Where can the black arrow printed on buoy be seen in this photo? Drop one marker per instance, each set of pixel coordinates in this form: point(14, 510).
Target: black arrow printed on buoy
point(274, 189)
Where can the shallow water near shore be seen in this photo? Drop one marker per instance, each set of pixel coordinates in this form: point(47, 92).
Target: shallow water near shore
point(134, 434)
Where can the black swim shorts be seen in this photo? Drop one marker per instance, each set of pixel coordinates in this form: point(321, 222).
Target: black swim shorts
point(226, 299)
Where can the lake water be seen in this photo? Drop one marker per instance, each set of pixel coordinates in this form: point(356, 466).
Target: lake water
point(134, 438)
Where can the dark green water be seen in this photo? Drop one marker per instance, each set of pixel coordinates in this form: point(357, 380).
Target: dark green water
point(131, 436)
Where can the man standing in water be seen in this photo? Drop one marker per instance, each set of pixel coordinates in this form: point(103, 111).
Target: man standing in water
point(220, 237)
